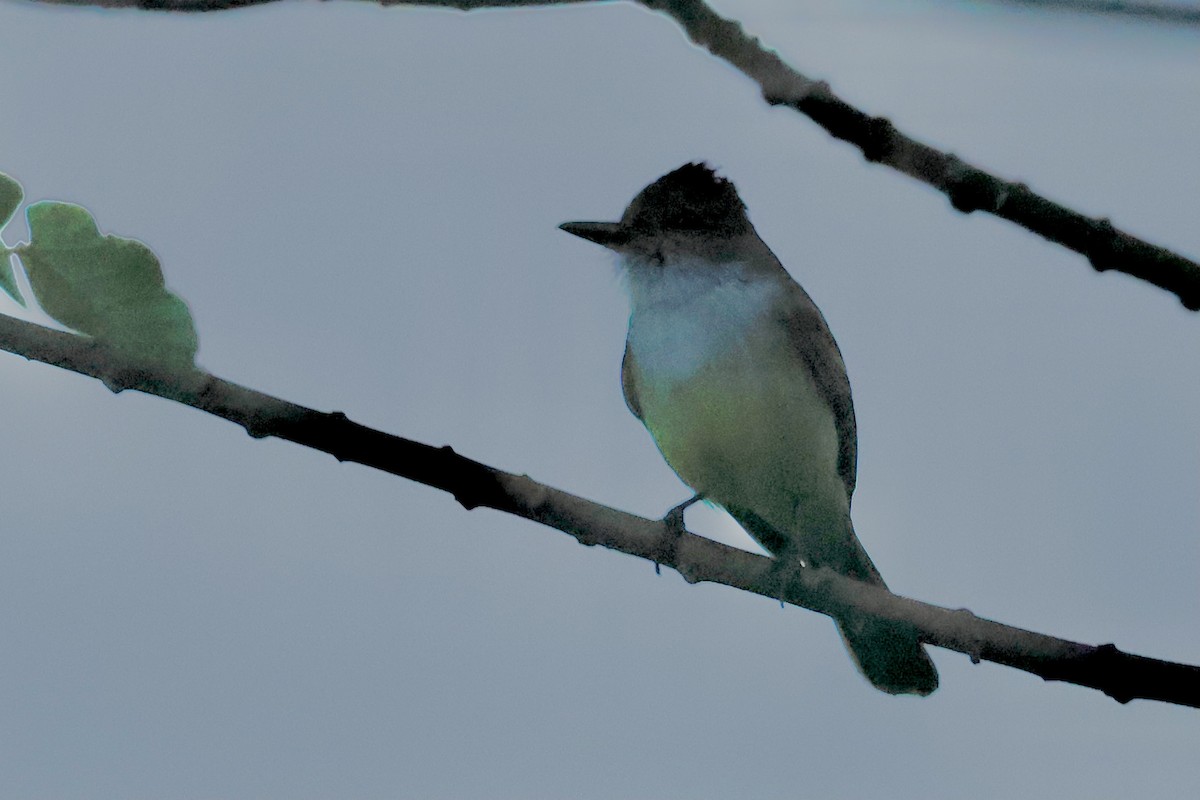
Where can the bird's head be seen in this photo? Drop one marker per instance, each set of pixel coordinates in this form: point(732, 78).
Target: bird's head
point(689, 211)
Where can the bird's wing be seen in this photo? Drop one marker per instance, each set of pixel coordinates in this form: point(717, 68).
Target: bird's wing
point(815, 346)
point(627, 385)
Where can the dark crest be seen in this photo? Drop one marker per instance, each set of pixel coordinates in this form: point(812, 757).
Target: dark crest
point(692, 198)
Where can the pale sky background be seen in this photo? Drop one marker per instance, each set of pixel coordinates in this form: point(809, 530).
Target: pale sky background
point(360, 205)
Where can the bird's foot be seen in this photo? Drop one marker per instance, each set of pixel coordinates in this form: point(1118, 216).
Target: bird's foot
point(783, 572)
point(674, 525)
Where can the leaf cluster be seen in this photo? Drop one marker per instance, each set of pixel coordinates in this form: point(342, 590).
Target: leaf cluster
point(102, 286)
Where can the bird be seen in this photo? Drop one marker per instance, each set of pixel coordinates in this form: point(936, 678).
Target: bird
point(734, 372)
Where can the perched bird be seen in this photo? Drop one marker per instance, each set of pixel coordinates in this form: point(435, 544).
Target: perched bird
point(732, 369)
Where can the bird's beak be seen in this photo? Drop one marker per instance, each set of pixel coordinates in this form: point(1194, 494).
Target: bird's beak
point(609, 234)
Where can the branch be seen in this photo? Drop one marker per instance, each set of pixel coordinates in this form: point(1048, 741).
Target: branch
point(1168, 13)
point(1120, 675)
point(968, 187)
point(193, 6)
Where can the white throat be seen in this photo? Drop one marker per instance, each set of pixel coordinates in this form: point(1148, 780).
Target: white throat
point(685, 313)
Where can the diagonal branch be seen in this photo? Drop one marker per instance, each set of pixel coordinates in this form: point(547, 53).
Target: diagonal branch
point(1157, 11)
point(968, 187)
point(1120, 675)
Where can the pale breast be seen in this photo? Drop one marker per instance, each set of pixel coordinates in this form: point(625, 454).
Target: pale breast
point(680, 321)
point(731, 406)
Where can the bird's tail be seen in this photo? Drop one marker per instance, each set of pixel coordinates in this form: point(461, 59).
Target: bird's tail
point(887, 653)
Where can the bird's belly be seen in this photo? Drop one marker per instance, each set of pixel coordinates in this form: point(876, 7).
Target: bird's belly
point(746, 429)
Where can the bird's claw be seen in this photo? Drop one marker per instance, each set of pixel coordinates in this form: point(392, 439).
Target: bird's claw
point(673, 522)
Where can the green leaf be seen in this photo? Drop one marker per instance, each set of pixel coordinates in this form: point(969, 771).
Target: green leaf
point(10, 198)
point(105, 286)
point(8, 281)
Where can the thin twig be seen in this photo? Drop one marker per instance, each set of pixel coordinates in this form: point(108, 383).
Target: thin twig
point(968, 187)
point(1118, 674)
point(1165, 13)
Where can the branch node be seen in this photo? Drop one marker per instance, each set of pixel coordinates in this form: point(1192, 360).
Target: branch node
point(115, 377)
point(878, 140)
point(478, 486)
point(255, 428)
point(1111, 662)
point(784, 88)
point(465, 499)
point(969, 189)
point(974, 648)
point(587, 539)
point(1009, 192)
point(1102, 245)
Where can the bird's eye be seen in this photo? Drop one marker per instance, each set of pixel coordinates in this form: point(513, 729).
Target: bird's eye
point(657, 257)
